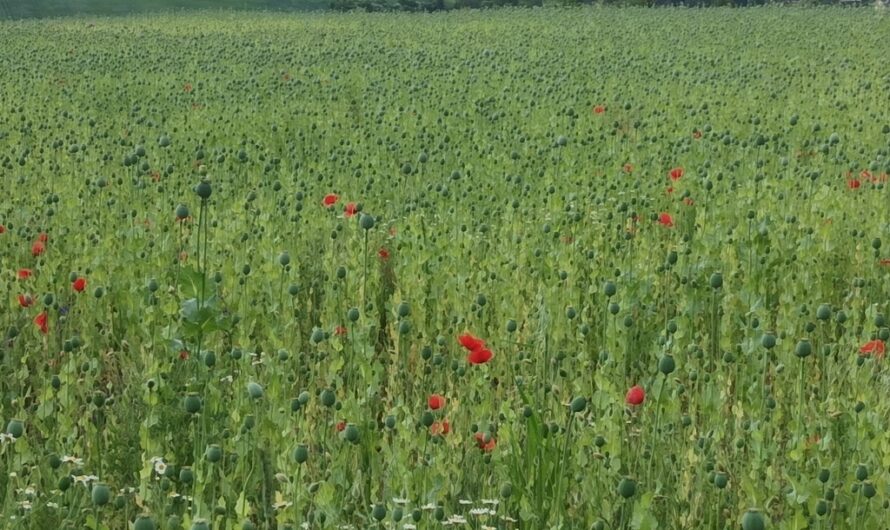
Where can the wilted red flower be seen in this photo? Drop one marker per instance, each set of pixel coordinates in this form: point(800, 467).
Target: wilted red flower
point(666, 220)
point(43, 238)
point(854, 184)
point(25, 300)
point(440, 428)
point(676, 173)
point(24, 274)
point(40, 321)
point(187, 88)
point(688, 201)
point(340, 426)
point(480, 356)
point(330, 199)
point(470, 342)
point(350, 210)
point(79, 284)
point(669, 190)
point(696, 134)
point(383, 253)
point(340, 331)
point(635, 395)
point(183, 355)
point(874, 347)
point(599, 109)
point(885, 262)
point(435, 401)
point(2, 229)
point(865, 175)
point(485, 446)
point(628, 168)
point(37, 248)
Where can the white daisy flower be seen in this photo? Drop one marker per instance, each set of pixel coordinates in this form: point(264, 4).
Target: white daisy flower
point(399, 501)
point(282, 505)
point(25, 505)
point(52, 505)
point(493, 502)
point(465, 502)
point(73, 460)
point(479, 511)
point(428, 507)
point(457, 519)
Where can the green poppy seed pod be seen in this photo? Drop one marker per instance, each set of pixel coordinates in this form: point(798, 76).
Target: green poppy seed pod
point(562, 141)
point(248, 525)
point(880, 320)
point(803, 349)
point(627, 488)
point(48, 299)
point(213, 453)
point(327, 397)
point(397, 514)
point(144, 522)
point(506, 490)
point(15, 428)
point(152, 285)
point(100, 494)
point(403, 310)
point(511, 326)
point(203, 189)
point(614, 308)
point(192, 403)
point(868, 490)
point(427, 419)
point(64, 483)
point(254, 390)
point(571, 313)
point(352, 314)
point(99, 292)
point(822, 507)
point(99, 399)
point(379, 512)
point(716, 280)
point(439, 513)
point(390, 422)
point(341, 272)
point(182, 211)
point(367, 221)
point(317, 335)
point(303, 398)
point(721, 479)
point(599, 525)
point(54, 461)
point(55, 382)
point(293, 290)
point(186, 475)
point(164, 141)
point(284, 259)
point(667, 365)
point(753, 520)
point(861, 472)
point(404, 327)
point(301, 454)
point(768, 341)
point(876, 243)
point(578, 404)
point(351, 433)
point(824, 475)
point(200, 524)
point(823, 312)
point(609, 289)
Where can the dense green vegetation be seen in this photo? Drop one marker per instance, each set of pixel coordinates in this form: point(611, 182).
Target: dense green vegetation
point(237, 252)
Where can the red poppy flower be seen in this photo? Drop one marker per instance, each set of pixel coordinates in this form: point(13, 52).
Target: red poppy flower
point(40, 321)
point(482, 444)
point(183, 355)
point(435, 401)
point(875, 347)
point(635, 395)
point(340, 331)
point(24, 274)
point(350, 210)
point(25, 300)
point(340, 426)
point(79, 284)
point(669, 190)
point(666, 220)
point(2, 229)
point(854, 184)
point(330, 199)
point(470, 342)
point(43, 238)
point(865, 175)
point(440, 428)
point(383, 253)
point(676, 173)
point(628, 168)
point(696, 134)
point(37, 248)
point(480, 356)
point(688, 201)
point(599, 109)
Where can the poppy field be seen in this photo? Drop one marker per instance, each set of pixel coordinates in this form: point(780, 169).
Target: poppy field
point(512, 269)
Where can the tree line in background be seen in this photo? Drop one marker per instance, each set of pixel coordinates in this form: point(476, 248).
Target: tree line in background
point(17, 9)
